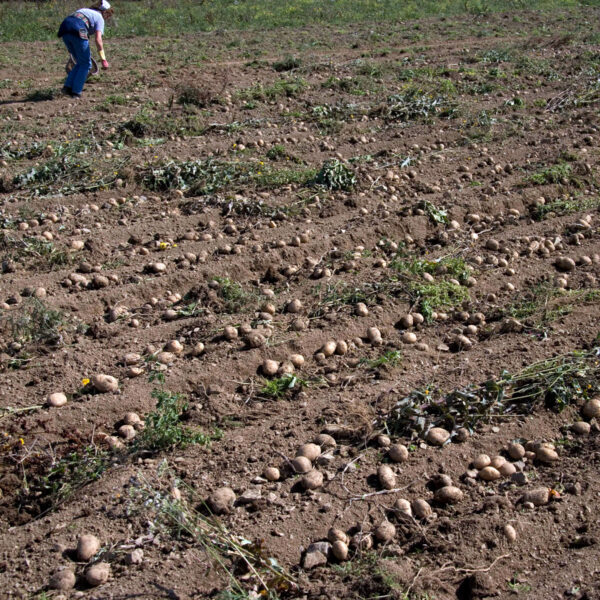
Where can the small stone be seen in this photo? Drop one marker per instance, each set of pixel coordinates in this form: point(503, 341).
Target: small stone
point(135, 557)
point(537, 497)
point(314, 559)
point(221, 500)
point(249, 496)
point(519, 478)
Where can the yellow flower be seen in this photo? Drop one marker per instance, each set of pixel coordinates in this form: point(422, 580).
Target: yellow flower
point(174, 245)
point(163, 245)
point(85, 381)
point(22, 441)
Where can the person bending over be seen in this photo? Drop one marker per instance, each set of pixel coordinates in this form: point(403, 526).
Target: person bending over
point(75, 32)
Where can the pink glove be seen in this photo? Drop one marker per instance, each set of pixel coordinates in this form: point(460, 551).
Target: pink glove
point(105, 64)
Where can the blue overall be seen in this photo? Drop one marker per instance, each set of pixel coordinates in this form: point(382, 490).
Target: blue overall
point(74, 34)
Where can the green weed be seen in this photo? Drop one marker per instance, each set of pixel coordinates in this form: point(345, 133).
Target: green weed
point(562, 173)
point(163, 428)
point(35, 323)
point(335, 175)
point(388, 359)
point(565, 206)
point(280, 386)
point(284, 88)
point(441, 295)
point(289, 63)
point(454, 267)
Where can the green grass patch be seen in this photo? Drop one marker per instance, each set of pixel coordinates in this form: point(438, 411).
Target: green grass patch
point(565, 206)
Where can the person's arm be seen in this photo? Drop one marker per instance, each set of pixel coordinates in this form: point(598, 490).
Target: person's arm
point(100, 47)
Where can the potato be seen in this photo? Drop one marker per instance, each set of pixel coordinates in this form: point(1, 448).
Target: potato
point(546, 455)
point(127, 432)
point(516, 451)
point(385, 532)
point(269, 367)
point(328, 348)
point(510, 533)
point(361, 310)
point(403, 506)
point(198, 349)
point(165, 358)
point(221, 500)
point(489, 474)
point(174, 346)
point(97, 574)
point(230, 333)
point(362, 540)
point(131, 418)
point(294, 306)
point(301, 464)
point(374, 336)
point(507, 469)
point(63, 579)
point(87, 546)
point(437, 436)
point(56, 399)
point(310, 451)
point(312, 480)
point(581, 428)
point(335, 535)
point(497, 461)
point(407, 321)
point(481, 461)
point(297, 360)
point(131, 358)
point(105, 383)
point(421, 509)
point(408, 337)
point(339, 549)
point(341, 348)
point(449, 494)
point(271, 474)
point(398, 453)
point(591, 410)
point(325, 440)
point(387, 478)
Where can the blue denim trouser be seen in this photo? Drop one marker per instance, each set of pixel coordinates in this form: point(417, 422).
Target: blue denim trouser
point(80, 49)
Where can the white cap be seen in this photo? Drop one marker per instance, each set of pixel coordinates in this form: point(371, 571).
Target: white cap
point(104, 5)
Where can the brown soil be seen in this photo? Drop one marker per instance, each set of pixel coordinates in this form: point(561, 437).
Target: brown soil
point(519, 114)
